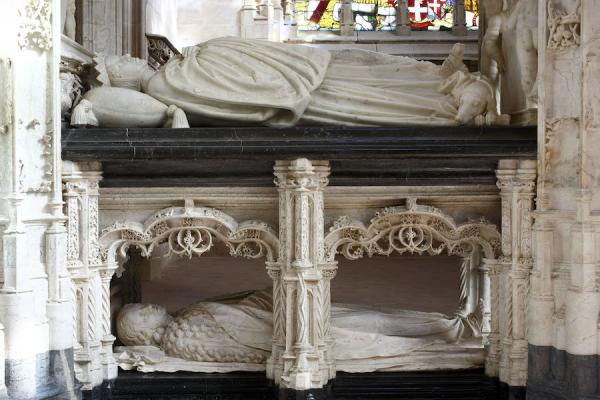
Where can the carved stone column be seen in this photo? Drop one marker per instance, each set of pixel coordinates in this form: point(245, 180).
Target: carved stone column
point(290, 20)
point(34, 293)
point(460, 18)
point(516, 180)
point(301, 279)
point(247, 15)
point(109, 365)
point(276, 25)
point(492, 362)
point(89, 276)
point(485, 295)
point(347, 25)
point(402, 18)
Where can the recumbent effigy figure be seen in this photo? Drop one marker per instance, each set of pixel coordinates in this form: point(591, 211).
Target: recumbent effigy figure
point(232, 81)
point(235, 333)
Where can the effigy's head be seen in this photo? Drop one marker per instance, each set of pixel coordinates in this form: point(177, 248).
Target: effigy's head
point(142, 324)
point(127, 72)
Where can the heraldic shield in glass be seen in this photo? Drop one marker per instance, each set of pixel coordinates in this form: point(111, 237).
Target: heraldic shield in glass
point(380, 15)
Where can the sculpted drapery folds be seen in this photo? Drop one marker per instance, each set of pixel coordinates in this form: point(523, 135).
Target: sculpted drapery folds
point(228, 81)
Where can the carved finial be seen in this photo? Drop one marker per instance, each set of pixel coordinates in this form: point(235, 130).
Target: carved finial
point(411, 203)
point(301, 165)
point(189, 205)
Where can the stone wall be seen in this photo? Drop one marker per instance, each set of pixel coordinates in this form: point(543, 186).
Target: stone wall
point(35, 300)
point(564, 302)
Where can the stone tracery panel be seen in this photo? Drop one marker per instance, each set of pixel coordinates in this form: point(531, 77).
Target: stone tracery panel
point(414, 229)
point(190, 231)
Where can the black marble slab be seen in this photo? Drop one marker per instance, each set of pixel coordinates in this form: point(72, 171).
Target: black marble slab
point(463, 385)
point(245, 156)
point(54, 376)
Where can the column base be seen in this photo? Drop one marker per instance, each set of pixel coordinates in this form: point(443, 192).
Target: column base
point(311, 394)
point(54, 377)
point(555, 374)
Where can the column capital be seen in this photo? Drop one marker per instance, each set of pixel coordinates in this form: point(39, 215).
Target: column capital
point(302, 174)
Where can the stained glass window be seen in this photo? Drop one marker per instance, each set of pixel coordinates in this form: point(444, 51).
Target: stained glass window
point(436, 15)
point(380, 15)
point(374, 15)
point(472, 8)
point(314, 15)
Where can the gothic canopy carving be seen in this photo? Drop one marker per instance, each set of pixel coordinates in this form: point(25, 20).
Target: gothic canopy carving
point(190, 231)
point(411, 229)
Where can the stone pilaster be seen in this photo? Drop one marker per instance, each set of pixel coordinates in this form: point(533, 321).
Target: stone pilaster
point(90, 278)
point(302, 310)
point(565, 302)
point(516, 180)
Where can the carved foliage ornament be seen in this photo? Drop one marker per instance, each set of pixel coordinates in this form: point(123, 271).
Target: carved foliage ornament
point(563, 26)
point(36, 25)
point(190, 232)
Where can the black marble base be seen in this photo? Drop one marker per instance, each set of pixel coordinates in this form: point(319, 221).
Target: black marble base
point(557, 375)
point(54, 376)
point(245, 156)
point(512, 392)
point(463, 385)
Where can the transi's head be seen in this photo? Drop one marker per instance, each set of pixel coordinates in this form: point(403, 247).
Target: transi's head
point(142, 324)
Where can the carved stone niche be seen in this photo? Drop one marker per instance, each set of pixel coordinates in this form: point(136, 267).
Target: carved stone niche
point(184, 231)
point(426, 230)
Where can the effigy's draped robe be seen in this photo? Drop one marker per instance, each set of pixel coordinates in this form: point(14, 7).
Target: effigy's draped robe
point(230, 80)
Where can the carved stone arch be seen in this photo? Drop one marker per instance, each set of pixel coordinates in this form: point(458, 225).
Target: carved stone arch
point(189, 231)
point(413, 229)
point(420, 229)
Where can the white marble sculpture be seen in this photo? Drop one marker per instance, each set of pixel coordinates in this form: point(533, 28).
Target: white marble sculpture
point(232, 81)
point(520, 18)
point(70, 23)
point(235, 333)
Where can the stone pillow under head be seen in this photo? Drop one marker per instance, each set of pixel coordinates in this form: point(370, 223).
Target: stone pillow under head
point(114, 107)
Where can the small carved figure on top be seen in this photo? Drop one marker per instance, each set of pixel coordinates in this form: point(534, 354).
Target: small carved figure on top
point(232, 81)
